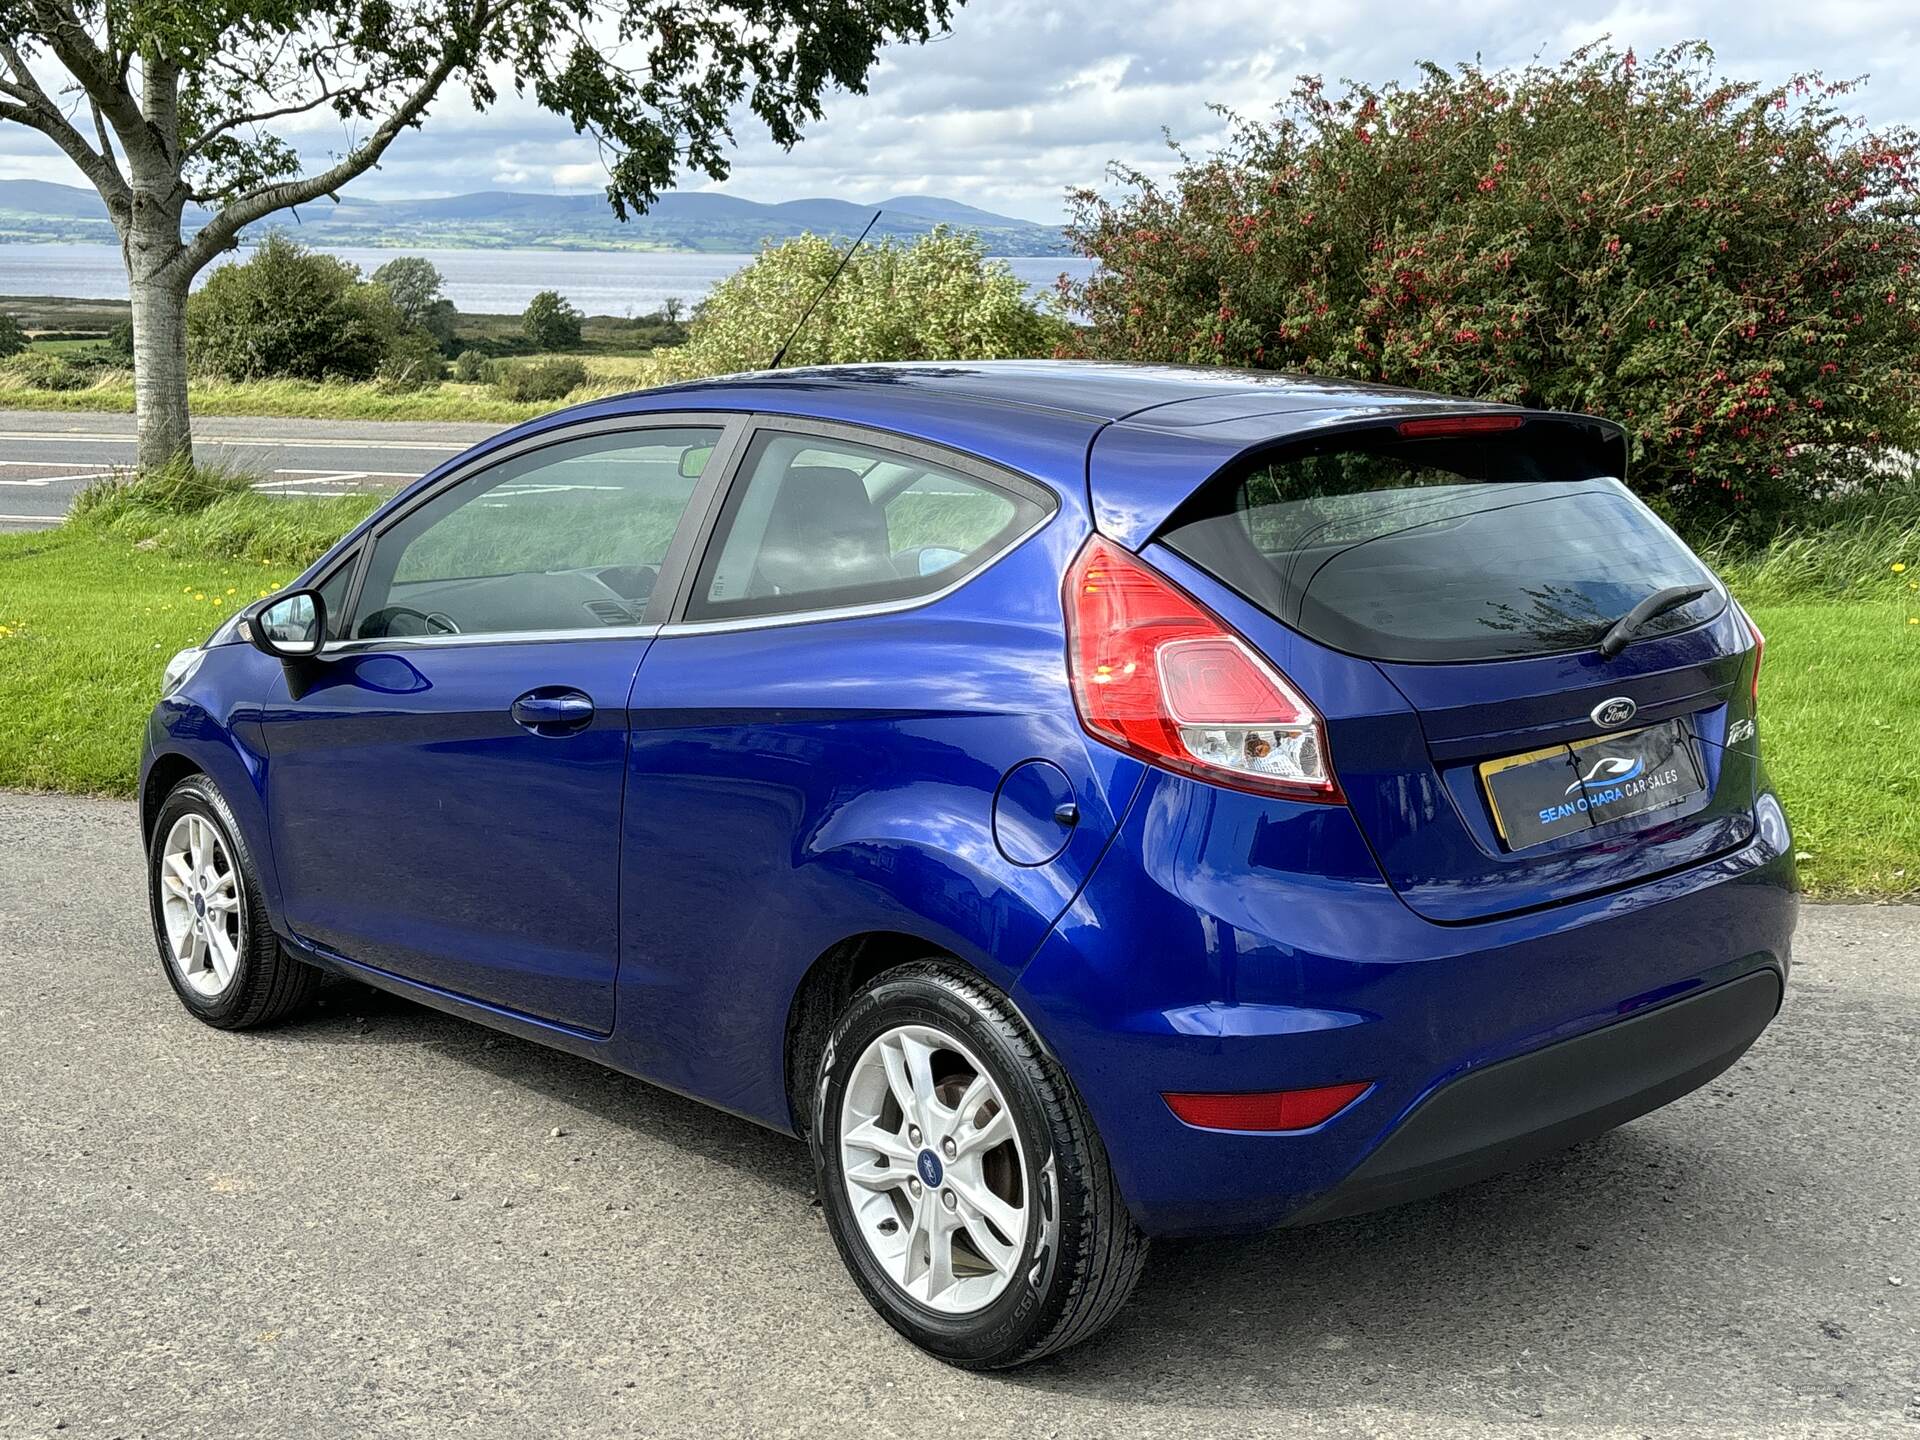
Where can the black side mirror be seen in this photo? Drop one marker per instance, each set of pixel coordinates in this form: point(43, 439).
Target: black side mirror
point(292, 626)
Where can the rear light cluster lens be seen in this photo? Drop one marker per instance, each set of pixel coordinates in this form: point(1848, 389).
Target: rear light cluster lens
point(1160, 676)
point(1437, 425)
point(1266, 1110)
point(1759, 654)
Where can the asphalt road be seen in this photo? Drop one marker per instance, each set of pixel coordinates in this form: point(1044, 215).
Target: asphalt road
point(48, 457)
point(363, 1224)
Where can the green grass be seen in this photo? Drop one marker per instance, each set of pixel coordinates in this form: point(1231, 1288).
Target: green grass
point(204, 512)
point(305, 399)
point(86, 622)
point(1838, 697)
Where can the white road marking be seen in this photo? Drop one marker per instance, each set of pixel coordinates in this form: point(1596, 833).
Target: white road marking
point(31, 519)
point(283, 442)
point(312, 477)
point(363, 474)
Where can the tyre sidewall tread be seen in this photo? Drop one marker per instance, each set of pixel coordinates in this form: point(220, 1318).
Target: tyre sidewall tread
point(268, 984)
point(1097, 1250)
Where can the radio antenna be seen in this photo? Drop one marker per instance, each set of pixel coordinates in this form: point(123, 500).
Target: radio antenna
point(819, 295)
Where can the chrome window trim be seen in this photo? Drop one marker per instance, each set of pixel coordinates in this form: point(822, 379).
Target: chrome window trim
point(381, 644)
point(874, 437)
point(851, 612)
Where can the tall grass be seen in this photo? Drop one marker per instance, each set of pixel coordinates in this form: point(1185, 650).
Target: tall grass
point(1842, 552)
point(213, 511)
point(112, 390)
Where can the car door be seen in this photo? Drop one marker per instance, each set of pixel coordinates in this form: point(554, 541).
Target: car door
point(445, 783)
point(822, 734)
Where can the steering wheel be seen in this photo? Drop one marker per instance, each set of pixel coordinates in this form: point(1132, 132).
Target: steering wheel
point(431, 622)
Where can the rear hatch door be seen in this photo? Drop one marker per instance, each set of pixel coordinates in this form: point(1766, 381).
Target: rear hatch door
point(1476, 567)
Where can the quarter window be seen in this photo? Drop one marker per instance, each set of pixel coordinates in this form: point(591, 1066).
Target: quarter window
point(814, 525)
point(567, 537)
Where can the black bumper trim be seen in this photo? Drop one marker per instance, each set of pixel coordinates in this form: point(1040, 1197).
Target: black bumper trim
point(1515, 1111)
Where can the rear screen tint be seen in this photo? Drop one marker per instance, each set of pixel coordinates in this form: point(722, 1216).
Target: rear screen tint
point(1445, 549)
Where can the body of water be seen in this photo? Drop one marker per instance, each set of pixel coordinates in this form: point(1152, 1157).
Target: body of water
point(600, 282)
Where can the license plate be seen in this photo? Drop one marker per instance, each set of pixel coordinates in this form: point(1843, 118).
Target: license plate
point(1562, 790)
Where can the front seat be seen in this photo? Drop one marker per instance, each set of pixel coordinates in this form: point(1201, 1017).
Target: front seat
point(823, 533)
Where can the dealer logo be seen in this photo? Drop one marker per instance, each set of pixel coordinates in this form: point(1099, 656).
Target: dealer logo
point(1612, 714)
point(1613, 770)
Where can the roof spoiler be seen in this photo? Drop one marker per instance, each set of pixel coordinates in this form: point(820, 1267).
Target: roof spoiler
point(1141, 470)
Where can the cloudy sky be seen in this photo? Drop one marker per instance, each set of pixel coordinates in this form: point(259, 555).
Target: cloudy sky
point(1026, 98)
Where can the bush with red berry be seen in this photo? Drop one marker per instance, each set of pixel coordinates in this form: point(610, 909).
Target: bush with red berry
point(1726, 269)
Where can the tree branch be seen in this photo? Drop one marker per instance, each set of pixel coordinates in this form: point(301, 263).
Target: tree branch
point(106, 141)
point(97, 73)
point(37, 111)
point(160, 102)
point(259, 117)
point(218, 233)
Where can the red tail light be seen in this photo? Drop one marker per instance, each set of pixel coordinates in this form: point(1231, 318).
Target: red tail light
point(1160, 676)
point(1266, 1110)
point(1759, 654)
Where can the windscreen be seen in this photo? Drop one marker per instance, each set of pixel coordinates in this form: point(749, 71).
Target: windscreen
point(1449, 548)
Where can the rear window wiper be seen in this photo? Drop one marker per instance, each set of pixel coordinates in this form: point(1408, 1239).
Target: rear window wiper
point(1657, 603)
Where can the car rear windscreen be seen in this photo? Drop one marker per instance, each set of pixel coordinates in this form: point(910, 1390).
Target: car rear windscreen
point(1450, 548)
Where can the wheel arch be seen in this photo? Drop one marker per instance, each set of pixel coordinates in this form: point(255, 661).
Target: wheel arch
point(832, 980)
point(823, 992)
point(168, 769)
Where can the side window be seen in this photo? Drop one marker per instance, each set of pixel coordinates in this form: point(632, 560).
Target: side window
point(814, 525)
point(333, 591)
point(567, 537)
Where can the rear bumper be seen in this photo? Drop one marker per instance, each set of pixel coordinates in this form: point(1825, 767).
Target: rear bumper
point(1495, 1119)
point(1232, 943)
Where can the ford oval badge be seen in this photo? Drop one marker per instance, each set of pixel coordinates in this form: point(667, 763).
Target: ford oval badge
point(1612, 714)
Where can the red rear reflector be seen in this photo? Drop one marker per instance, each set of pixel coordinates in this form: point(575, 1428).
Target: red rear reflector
point(1157, 674)
point(1458, 425)
point(1759, 654)
point(1266, 1110)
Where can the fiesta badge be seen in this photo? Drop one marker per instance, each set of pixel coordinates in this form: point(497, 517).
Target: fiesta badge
point(1612, 714)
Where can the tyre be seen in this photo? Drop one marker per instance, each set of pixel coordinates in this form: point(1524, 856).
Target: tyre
point(216, 947)
point(961, 1177)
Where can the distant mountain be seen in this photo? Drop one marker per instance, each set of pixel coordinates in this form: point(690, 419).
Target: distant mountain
point(508, 219)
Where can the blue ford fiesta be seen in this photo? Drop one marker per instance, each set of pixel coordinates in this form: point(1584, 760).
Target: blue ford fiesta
point(1085, 802)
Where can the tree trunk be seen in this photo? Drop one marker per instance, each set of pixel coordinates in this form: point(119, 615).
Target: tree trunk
point(160, 367)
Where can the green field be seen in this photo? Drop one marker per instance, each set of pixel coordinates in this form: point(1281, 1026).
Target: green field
point(616, 351)
point(305, 399)
point(87, 618)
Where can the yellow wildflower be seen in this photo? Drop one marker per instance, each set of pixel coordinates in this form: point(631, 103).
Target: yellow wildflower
point(1899, 567)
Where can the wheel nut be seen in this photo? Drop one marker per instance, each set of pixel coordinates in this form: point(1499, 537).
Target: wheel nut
point(947, 1199)
point(913, 1188)
point(913, 1134)
point(949, 1148)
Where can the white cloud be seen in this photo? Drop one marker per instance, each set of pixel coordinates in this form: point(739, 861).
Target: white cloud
point(1029, 97)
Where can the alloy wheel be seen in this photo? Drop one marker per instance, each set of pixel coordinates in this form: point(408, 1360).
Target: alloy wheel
point(200, 905)
point(934, 1170)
